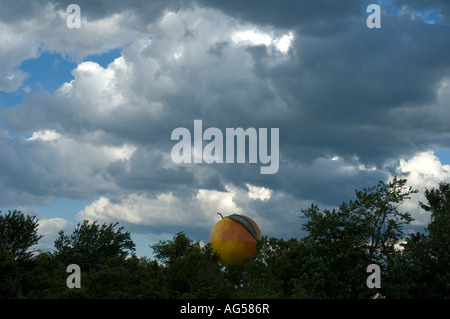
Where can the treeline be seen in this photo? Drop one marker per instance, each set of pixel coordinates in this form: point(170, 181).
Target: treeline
point(330, 262)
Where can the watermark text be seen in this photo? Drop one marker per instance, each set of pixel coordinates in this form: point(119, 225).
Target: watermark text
point(214, 151)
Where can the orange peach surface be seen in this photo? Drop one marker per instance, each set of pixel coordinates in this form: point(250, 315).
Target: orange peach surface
point(232, 240)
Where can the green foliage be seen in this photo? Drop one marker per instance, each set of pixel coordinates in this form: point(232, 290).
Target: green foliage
point(274, 272)
point(10, 276)
point(422, 269)
point(363, 231)
point(91, 245)
point(330, 262)
point(18, 233)
point(191, 270)
point(132, 278)
point(371, 223)
point(439, 227)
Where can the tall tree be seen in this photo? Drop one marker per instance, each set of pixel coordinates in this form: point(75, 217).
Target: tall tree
point(275, 271)
point(363, 231)
point(422, 268)
point(18, 234)
point(434, 264)
point(91, 244)
point(191, 269)
point(439, 226)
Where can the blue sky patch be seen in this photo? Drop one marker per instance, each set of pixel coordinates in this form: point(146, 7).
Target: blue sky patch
point(48, 72)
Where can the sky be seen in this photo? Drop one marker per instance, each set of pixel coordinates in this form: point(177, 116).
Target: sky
point(87, 114)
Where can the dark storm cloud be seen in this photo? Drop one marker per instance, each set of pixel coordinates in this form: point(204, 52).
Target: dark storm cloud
point(289, 14)
point(146, 11)
point(352, 93)
point(37, 172)
point(345, 97)
point(20, 10)
point(143, 172)
point(438, 6)
point(340, 89)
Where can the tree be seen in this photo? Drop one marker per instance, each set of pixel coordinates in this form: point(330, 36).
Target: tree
point(46, 278)
point(10, 277)
point(92, 244)
point(363, 231)
point(18, 234)
point(422, 269)
point(439, 226)
point(191, 269)
point(275, 271)
point(439, 237)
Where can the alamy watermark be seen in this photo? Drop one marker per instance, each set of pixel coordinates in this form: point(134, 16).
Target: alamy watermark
point(214, 152)
point(374, 19)
point(74, 18)
point(374, 279)
point(73, 280)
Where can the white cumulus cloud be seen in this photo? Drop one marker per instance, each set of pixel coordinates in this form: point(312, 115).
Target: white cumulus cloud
point(423, 171)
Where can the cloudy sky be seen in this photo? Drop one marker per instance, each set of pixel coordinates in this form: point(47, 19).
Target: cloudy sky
point(86, 114)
